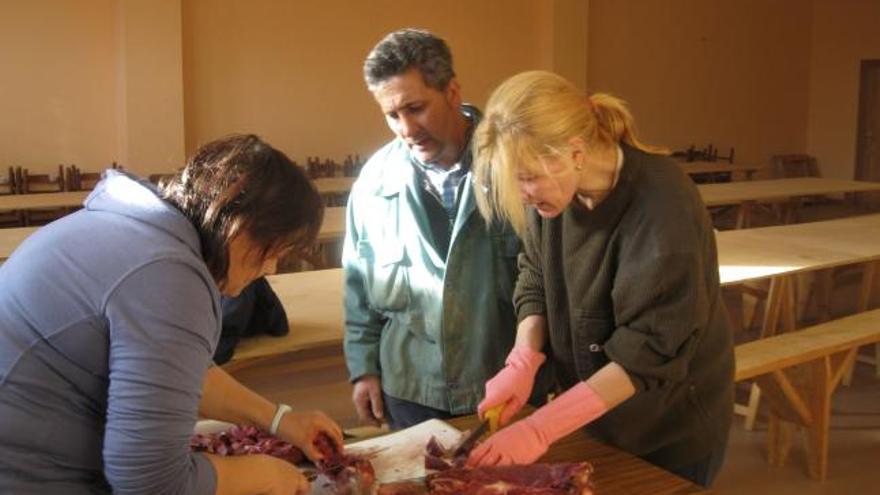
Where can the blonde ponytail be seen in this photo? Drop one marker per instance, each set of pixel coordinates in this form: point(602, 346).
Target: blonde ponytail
point(615, 124)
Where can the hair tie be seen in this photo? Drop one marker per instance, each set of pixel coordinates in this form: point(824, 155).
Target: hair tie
point(591, 105)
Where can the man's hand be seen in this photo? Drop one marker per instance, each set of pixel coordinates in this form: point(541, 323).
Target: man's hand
point(367, 398)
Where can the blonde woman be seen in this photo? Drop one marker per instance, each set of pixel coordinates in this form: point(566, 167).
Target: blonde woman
point(618, 283)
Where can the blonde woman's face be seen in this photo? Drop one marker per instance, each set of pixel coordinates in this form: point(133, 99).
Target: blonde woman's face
point(548, 185)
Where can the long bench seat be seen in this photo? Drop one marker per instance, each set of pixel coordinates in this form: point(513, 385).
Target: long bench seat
point(797, 372)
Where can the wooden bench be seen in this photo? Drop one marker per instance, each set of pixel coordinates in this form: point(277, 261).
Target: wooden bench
point(797, 373)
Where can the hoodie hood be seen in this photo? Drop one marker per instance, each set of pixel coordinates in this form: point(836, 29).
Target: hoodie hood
point(120, 193)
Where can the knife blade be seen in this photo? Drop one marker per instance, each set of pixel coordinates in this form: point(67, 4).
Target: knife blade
point(465, 446)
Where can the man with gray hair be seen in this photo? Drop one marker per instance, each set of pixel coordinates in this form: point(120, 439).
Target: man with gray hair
point(428, 284)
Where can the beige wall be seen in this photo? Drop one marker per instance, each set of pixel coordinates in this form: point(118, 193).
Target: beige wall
point(149, 85)
point(700, 72)
point(291, 71)
point(844, 33)
point(88, 82)
point(57, 100)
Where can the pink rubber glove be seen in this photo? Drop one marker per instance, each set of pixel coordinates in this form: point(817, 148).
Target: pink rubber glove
point(513, 384)
point(525, 441)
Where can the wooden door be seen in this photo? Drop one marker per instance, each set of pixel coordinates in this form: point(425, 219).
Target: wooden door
point(868, 137)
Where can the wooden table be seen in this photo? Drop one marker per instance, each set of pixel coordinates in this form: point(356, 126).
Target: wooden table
point(43, 200)
point(332, 230)
point(313, 300)
point(334, 185)
point(327, 185)
point(719, 168)
point(11, 238)
point(616, 472)
point(333, 226)
point(782, 252)
point(746, 194)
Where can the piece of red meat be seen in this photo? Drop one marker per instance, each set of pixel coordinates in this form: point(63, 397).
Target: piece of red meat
point(241, 440)
point(344, 474)
point(528, 479)
point(439, 458)
point(349, 474)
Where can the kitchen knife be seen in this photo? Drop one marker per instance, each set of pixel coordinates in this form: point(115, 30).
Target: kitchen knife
point(489, 424)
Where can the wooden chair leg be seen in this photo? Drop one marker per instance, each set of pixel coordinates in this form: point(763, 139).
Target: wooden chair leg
point(778, 439)
point(751, 409)
point(870, 278)
point(820, 405)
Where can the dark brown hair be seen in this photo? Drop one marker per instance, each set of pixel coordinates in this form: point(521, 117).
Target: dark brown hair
point(240, 183)
point(405, 49)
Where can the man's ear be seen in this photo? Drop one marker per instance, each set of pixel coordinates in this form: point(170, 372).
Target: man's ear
point(453, 93)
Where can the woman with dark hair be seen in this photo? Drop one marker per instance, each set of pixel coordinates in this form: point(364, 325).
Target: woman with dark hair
point(109, 318)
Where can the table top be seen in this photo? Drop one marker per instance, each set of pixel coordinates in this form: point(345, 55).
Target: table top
point(325, 185)
point(716, 167)
point(616, 472)
point(11, 238)
point(334, 185)
point(731, 193)
point(751, 254)
point(43, 200)
point(332, 229)
point(333, 226)
point(313, 300)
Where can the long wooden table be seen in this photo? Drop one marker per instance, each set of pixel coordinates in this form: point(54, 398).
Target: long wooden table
point(42, 200)
point(746, 194)
point(334, 185)
point(313, 300)
point(616, 472)
point(327, 185)
point(332, 230)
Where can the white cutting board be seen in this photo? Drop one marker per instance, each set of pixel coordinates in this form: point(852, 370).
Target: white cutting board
point(401, 455)
point(395, 457)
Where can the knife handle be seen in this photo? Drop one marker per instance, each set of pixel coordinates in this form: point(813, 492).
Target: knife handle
point(494, 417)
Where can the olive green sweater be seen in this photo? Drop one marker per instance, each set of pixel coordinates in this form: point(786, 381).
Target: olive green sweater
point(635, 281)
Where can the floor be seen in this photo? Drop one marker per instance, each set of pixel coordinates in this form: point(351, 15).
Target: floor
point(317, 379)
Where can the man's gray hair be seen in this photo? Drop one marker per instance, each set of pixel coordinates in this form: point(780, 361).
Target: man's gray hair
point(406, 49)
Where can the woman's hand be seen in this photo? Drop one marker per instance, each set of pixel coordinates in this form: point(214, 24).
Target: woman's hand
point(302, 428)
point(519, 443)
point(286, 478)
point(257, 473)
point(512, 385)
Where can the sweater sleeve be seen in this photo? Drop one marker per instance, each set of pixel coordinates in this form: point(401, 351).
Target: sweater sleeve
point(528, 296)
point(661, 307)
point(163, 322)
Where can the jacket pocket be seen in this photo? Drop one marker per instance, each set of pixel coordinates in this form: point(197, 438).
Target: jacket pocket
point(506, 248)
point(589, 334)
point(387, 277)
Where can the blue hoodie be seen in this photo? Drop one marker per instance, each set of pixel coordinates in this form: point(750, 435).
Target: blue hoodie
point(108, 321)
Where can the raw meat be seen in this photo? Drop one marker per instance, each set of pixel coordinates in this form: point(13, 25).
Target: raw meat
point(349, 474)
point(529, 479)
point(339, 474)
point(240, 440)
point(453, 478)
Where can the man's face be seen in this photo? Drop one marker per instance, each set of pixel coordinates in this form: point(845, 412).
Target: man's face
point(426, 119)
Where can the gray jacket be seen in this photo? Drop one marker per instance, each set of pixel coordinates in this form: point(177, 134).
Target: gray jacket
point(108, 321)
